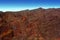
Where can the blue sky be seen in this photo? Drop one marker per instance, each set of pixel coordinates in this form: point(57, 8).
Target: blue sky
point(16, 5)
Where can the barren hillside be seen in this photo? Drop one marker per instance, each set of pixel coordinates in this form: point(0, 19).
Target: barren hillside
point(37, 24)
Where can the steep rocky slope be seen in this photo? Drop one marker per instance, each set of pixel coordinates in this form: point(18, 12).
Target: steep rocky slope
point(38, 24)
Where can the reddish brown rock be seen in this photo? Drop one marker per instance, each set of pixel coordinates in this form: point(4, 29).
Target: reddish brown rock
point(38, 24)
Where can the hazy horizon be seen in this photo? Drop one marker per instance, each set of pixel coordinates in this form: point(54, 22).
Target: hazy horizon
point(18, 5)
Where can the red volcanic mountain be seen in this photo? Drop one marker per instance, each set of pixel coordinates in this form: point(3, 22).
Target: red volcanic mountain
point(37, 24)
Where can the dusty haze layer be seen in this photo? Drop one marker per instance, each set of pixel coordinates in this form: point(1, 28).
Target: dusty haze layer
point(38, 24)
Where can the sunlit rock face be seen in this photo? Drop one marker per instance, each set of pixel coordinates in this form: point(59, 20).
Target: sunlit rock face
point(38, 24)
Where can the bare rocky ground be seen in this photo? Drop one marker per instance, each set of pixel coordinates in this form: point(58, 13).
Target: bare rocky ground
point(37, 24)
